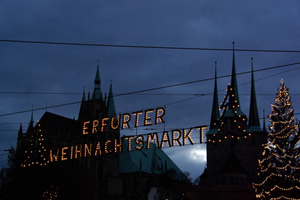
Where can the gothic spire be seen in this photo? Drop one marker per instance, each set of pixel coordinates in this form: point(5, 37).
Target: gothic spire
point(97, 94)
point(215, 114)
point(83, 95)
point(234, 85)
point(83, 100)
point(20, 133)
point(264, 122)
point(31, 118)
point(30, 125)
point(111, 103)
point(254, 124)
point(231, 106)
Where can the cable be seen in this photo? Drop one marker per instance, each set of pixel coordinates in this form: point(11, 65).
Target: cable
point(55, 106)
point(166, 94)
point(40, 93)
point(148, 47)
point(163, 87)
point(207, 79)
point(157, 88)
point(238, 85)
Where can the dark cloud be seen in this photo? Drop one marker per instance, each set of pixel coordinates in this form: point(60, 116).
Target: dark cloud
point(214, 24)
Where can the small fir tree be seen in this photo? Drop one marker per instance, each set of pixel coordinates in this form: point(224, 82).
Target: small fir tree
point(279, 167)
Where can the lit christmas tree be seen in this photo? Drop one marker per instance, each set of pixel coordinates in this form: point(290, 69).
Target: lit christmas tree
point(36, 153)
point(279, 167)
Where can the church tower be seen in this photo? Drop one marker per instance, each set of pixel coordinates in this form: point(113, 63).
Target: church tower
point(94, 107)
point(233, 142)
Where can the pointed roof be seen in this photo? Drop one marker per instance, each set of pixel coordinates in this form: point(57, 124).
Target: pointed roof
point(215, 114)
point(97, 78)
point(264, 123)
point(56, 124)
point(83, 100)
point(20, 132)
point(83, 95)
point(97, 94)
point(111, 103)
point(31, 118)
point(254, 124)
point(234, 84)
point(30, 125)
point(233, 106)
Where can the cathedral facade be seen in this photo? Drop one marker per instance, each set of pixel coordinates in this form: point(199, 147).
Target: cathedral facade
point(57, 159)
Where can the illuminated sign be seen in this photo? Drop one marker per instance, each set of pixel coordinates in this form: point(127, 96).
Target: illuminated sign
point(172, 138)
point(151, 116)
point(176, 137)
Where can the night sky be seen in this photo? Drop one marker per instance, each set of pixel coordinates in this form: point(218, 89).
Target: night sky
point(57, 74)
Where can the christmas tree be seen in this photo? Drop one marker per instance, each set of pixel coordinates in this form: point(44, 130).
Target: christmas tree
point(36, 153)
point(279, 166)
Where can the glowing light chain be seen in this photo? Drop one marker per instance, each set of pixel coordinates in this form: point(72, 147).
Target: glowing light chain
point(226, 137)
point(291, 111)
point(233, 107)
point(283, 197)
point(288, 104)
point(278, 156)
point(259, 196)
point(293, 128)
point(279, 168)
point(284, 122)
point(284, 189)
point(278, 175)
point(41, 151)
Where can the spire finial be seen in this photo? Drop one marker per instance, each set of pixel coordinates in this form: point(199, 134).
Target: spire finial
point(233, 45)
point(111, 103)
point(83, 94)
point(97, 94)
point(264, 123)
point(31, 119)
point(216, 69)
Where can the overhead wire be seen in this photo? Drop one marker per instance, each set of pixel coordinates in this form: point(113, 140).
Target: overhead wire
point(207, 79)
point(166, 86)
point(146, 46)
point(183, 100)
point(157, 88)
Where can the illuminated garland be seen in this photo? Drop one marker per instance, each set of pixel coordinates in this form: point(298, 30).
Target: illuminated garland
point(276, 175)
point(279, 168)
point(283, 130)
point(228, 106)
point(283, 197)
